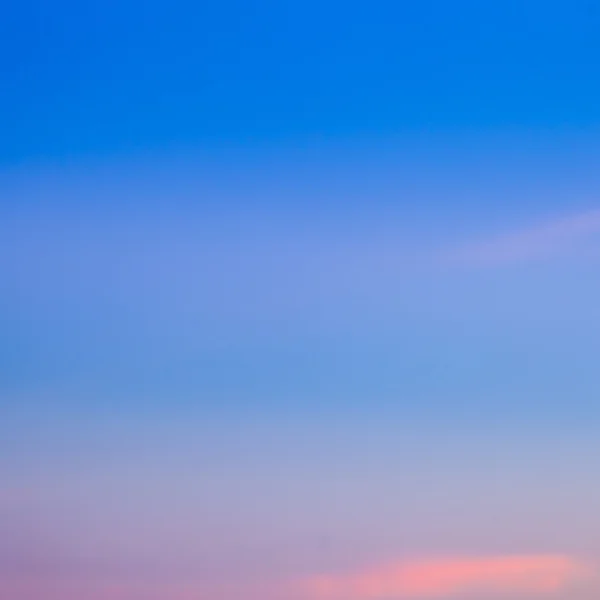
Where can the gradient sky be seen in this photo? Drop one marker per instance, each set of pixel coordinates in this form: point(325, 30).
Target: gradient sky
point(299, 301)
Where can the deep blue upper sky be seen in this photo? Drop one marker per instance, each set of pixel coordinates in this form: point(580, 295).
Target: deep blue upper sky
point(95, 78)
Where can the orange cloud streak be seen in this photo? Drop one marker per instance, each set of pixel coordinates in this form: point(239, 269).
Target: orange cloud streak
point(449, 577)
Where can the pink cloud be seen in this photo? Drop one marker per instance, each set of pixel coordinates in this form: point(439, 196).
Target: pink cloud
point(533, 576)
point(451, 576)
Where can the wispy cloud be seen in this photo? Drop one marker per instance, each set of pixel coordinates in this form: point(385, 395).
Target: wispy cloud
point(546, 239)
point(442, 578)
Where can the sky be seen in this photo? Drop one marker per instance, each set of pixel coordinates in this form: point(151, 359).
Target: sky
point(299, 301)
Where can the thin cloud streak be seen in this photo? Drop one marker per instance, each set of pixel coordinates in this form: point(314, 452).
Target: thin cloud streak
point(541, 241)
point(446, 578)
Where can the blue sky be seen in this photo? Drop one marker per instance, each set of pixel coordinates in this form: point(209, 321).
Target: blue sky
point(299, 301)
point(107, 77)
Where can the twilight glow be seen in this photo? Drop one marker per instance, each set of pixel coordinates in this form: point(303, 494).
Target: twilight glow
point(529, 575)
point(300, 301)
